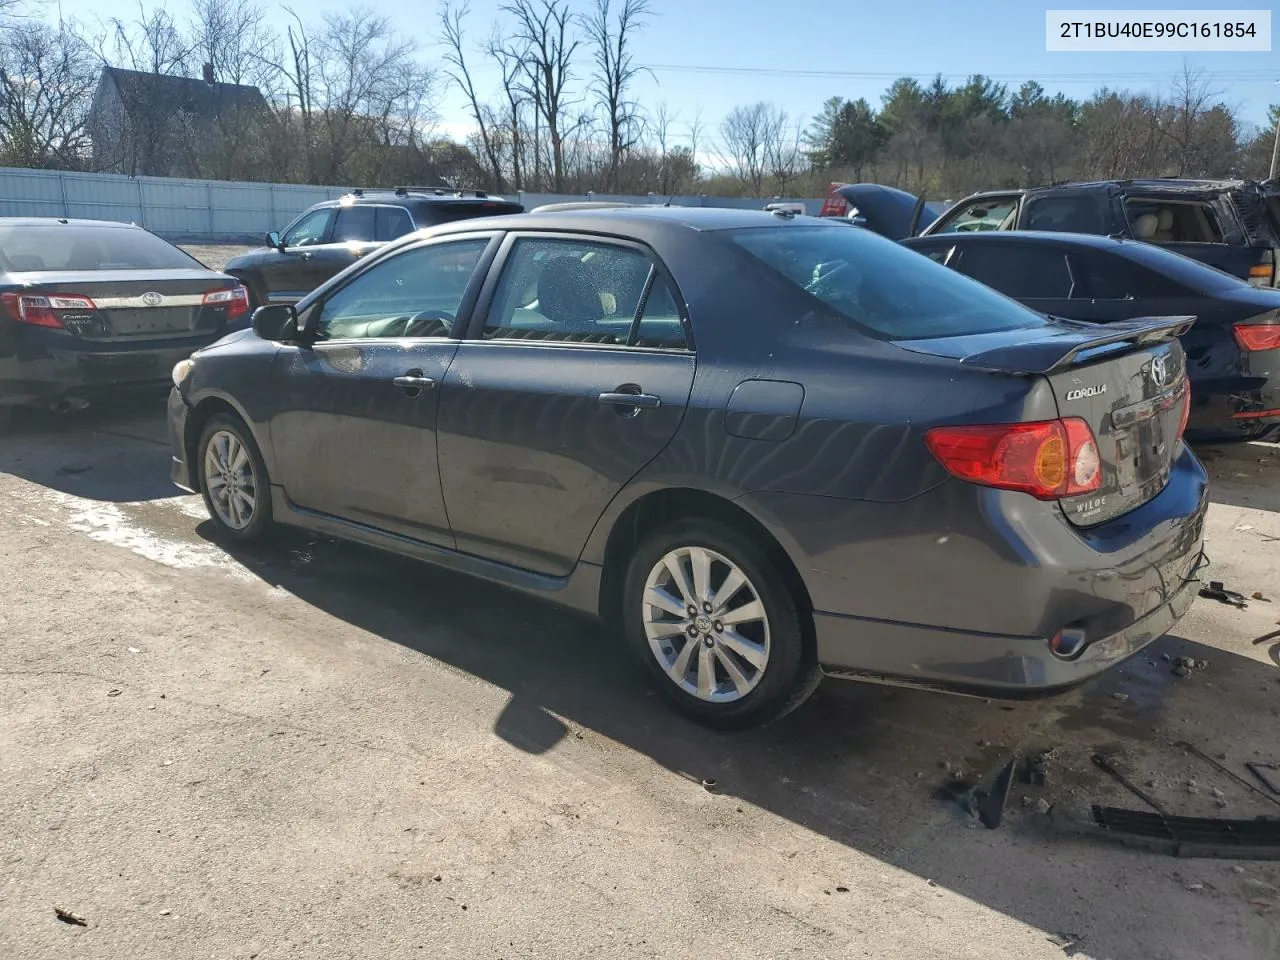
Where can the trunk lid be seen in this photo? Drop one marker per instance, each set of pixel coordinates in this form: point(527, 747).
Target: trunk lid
point(1125, 380)
point(134, 305)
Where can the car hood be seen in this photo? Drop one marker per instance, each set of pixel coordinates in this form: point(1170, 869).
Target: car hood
point(229, 340)
point(246, 257)
point(887, 209)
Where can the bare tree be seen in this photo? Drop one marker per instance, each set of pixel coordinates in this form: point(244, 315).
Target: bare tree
point(1193, 96)
point(47, 78)
point(751, 142)
point(153, 43)
point(544, 29)
point(451, 17)
point(615, 69)
point(235, 40)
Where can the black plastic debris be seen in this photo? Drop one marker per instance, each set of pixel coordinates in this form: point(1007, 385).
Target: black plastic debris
point(1035, 769)
point(1256, 769)
point(1216, 590)
point(66, 916)
point(986, 799)
point(1188, 836)
point(1067, 941)
point(1225, 770)
point(1103, 764)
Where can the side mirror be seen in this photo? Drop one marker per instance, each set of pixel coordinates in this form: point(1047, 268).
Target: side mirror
point(276, 321)
point(273, 240)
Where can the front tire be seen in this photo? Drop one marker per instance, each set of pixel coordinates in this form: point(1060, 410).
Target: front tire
point(715, 619)
point(233, 479)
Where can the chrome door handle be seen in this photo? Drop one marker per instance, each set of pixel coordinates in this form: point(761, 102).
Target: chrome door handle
point(646, 401)
point(414, 383)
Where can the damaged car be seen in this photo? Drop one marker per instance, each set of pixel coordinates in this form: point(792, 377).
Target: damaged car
point(766, 447)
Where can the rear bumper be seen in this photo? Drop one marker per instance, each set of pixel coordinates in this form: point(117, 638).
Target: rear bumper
point(956, 661)
point(1217, 405)
point(45, 368)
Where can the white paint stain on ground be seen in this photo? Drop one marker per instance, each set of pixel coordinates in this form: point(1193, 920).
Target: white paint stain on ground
point(110, 523)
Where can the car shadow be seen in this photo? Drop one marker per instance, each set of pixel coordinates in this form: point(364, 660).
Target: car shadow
point(865, 766)
point(116, 451)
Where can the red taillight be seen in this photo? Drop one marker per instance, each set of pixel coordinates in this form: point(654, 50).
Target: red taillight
point(38, 310)
point(1257, 336)
point(1186, 410)
point(235, 299)
point(1048, 459)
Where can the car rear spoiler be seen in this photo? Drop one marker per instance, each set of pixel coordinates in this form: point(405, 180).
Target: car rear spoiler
point(1063, 349)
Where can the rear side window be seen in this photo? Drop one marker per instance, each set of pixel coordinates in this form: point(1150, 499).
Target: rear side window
point(1023, 272)
point(1101, 276)
point(461, 210)
point(979, 216)
point(355, 224)
point(1172, 221)
point(880, 286)
point(391, 222)
point(1083, 213)
point(75, 247)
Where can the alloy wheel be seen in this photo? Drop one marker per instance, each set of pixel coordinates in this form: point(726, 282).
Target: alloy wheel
point(230, 480)
point(706, 624)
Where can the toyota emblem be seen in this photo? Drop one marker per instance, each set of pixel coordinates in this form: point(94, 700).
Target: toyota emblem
point(1160, 371)
point(152, 299)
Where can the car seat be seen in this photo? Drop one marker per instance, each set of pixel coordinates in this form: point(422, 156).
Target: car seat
point(566, 293)
point(1144, 228)
point(1164, 230)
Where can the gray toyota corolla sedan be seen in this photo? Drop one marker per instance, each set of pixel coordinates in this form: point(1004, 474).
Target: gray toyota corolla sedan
point(769, 447)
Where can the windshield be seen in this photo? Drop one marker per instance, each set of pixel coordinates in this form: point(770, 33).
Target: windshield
point(73, 247)
point(886, 289)
point(1199, 276)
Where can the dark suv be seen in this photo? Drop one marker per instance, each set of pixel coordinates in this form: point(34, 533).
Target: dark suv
point(1233, 225)
point(331, 236)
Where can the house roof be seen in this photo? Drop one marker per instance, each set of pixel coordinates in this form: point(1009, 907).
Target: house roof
point(159, 91)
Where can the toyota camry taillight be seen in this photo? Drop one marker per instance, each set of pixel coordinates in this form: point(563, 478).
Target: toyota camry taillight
point(235, 299)
point(42, 311)
point(1257, 336)
point(1048, 459)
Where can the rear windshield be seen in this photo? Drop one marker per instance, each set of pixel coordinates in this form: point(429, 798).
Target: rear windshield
point(67, 246)
point(886, 289)
point(1199, 276)
point(448, 212)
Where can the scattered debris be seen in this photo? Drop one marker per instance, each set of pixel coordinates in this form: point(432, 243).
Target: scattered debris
point(1257, 595)
point(1262, 904)
point(1043, 806)
point(114, 692)
point(165, 913)
point(1217, 591)
point(1183, 666)
point(1227, 770)
point(66, 916)
point(931, 883)
point(1257, 839)
point(1036, 769)
point(1103, 764)
point(1194, 886)
point(134, 650)
point(986, 799)
point(1236, 868)
point(842, 889)
point(1217, 792)
point(1256, 769)
point(1067, 941)
point(1028, 800)
point(166, 763)
point(1244, 526)
point(1120, 696)
point(708, 784)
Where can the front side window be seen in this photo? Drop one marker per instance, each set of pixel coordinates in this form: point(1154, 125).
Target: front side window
point(310, 230)
point(992, 213)
point(880, 286)
point(584, 291)
point(1022, 272)
point(416, 293)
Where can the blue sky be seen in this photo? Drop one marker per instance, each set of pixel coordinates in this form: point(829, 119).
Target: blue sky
point(709, 55)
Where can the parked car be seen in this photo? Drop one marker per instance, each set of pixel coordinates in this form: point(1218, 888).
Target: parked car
point(747, 438)
point(331, 236)
point(90, 307)
point(888, 211)
point(1233, 350)
point(1233, 225)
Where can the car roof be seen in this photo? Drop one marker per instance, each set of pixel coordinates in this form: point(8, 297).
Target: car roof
point(1154, 184)
point(1095, 240)
point(635, 220)
point(65, 221)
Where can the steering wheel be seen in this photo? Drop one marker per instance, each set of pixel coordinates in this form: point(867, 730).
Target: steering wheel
point(424, 324)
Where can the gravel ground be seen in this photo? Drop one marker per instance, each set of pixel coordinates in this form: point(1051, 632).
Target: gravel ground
point(214, 256)
point(308, 749)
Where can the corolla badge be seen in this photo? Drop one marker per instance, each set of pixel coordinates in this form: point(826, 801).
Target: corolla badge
point(152, 299)
point(1160, 371)
point(1081, 392)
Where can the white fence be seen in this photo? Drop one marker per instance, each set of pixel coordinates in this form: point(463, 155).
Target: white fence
point(211, 210)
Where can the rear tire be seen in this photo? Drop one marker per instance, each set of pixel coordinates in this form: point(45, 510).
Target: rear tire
point(726, 639)
point(233, 479)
